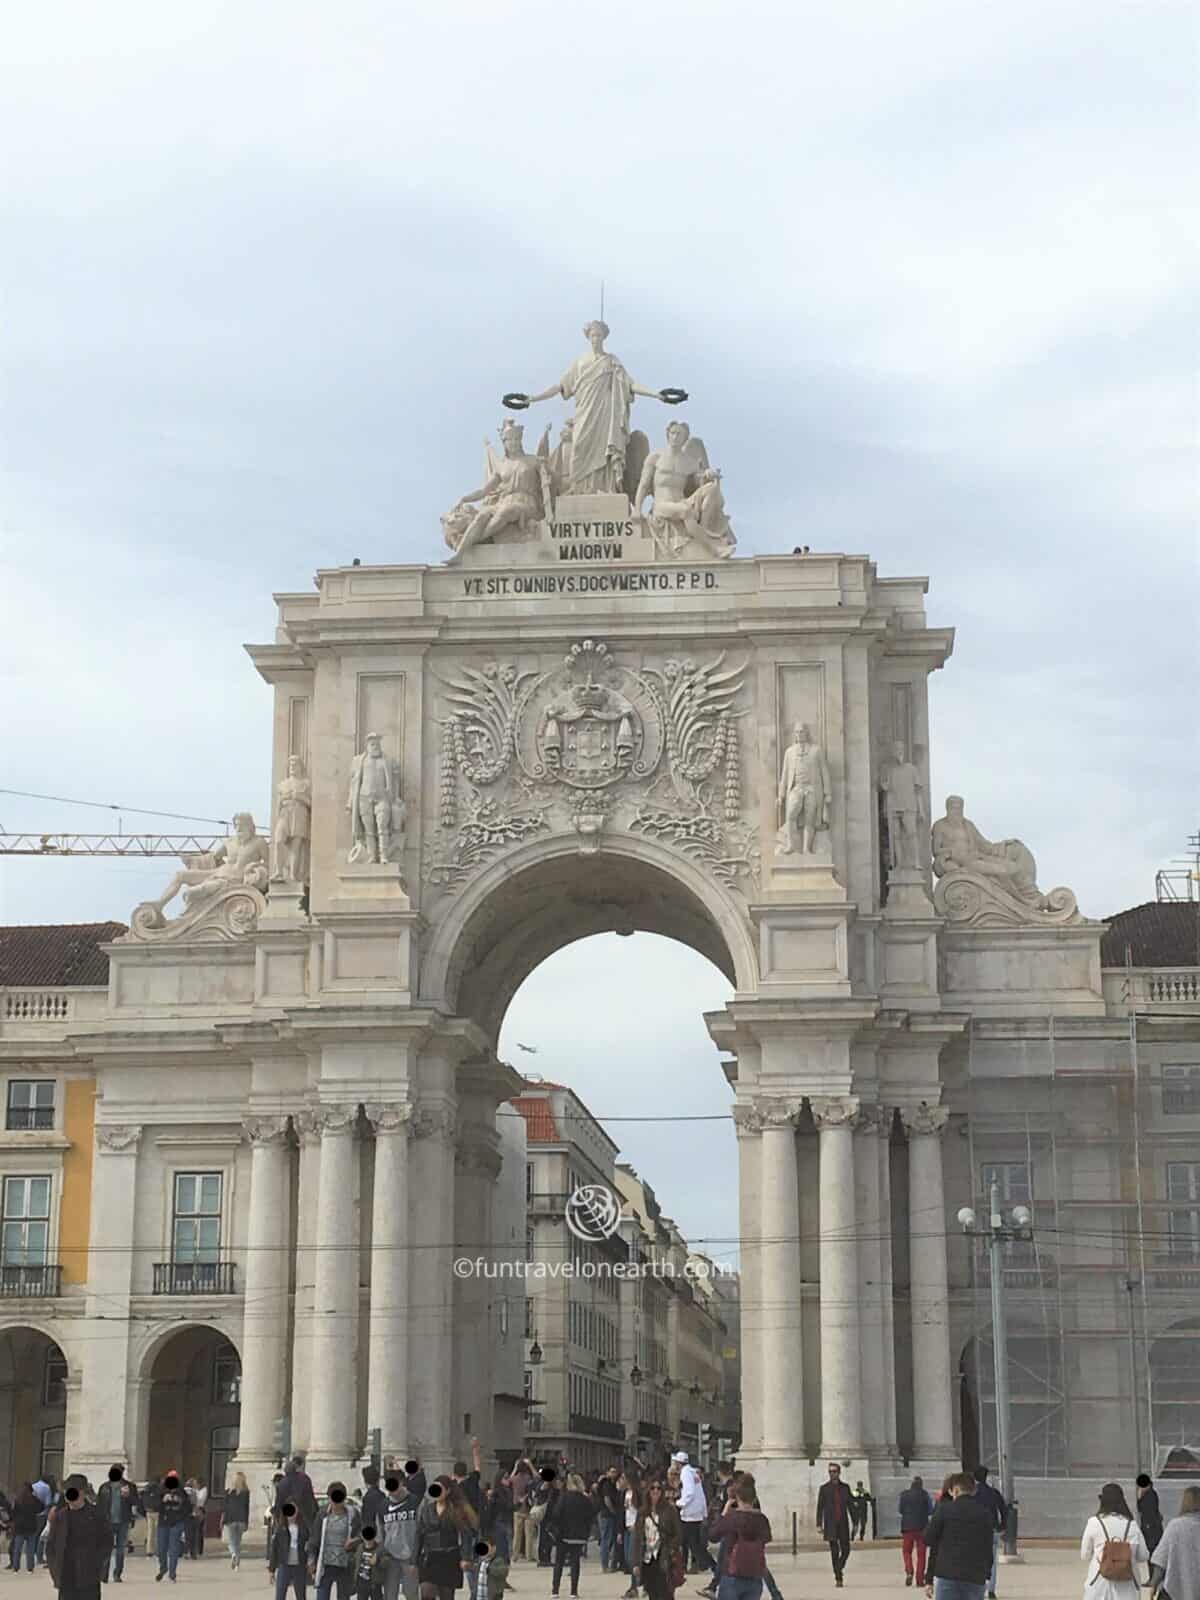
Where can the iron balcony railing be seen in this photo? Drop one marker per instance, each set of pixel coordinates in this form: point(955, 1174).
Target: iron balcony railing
point(193, 1277)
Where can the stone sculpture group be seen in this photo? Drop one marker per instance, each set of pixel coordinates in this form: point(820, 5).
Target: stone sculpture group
point(598, 457)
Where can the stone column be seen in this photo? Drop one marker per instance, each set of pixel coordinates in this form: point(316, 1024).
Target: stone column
point(388, 1359)
point(749, 1148)
point(431, 1191)
point(102, 1428)
point(335, 1295)
point(477, 1166)
point(780, 1337)
point(841, 1372)
point(873, 1205)
point(933, 1418)
point(307, 1199)
point(265, 1293)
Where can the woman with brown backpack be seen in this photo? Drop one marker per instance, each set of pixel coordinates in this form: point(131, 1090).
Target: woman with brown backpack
point(1113, 1547)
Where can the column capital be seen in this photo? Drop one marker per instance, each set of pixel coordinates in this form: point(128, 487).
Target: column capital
point(836, 1111)
point(265, 1130)
point(393, 1116)
point(434, 1122)
point(118, 1138)
point(874, 1118)
point(334, 1119)
point(307, 1130)
point(924, 1121)
point(760, 1115)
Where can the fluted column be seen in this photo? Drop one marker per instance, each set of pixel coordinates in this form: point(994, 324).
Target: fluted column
point(782, 1356)
point(388, 1360)
point(933, 1421)
point(874, 1216)
point(749, 1145)
point(113, 1277)
point(335, 1296)
point(265, 1284)
point(432, 1283)
point(841, 1376)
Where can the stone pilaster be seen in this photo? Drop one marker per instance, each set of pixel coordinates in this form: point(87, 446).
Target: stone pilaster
point(389, 1358)
point(749, 1143)
point(933, 1421)
point(477, 1164)
point(103, 1410)
point(872, 1183)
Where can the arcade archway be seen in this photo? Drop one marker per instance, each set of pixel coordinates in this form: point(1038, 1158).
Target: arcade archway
point(33, 1405)
point(195, 1378)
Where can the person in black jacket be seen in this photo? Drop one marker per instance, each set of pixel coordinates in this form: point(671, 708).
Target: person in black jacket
point(1148, 1512)
point(994, 1501)
point(118, 1504)
point(546, 1493)
point(959, 1538)
point(833, 1519)
point(287, 1552)
point(26, 1520)
point(174, 1511)
point(374, 1500)
point(296, 1488)
point(77, 1545)
point(571, 1527)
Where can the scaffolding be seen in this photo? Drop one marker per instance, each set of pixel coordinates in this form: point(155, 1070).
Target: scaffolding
point(1095, 1125)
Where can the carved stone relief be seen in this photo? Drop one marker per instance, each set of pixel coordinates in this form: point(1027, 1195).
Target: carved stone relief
point(590, 745)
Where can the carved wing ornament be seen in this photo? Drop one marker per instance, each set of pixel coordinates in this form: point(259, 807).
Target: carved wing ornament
point(589, 745)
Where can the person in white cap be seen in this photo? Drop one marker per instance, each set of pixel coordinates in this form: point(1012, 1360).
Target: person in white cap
point(693, 1513)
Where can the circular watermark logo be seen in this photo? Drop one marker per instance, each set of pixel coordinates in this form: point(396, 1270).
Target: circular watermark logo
point(593, 1212)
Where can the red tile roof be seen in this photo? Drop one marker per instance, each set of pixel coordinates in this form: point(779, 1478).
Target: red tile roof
point(1161, 933)
point(56, 954)
point(540, 1126)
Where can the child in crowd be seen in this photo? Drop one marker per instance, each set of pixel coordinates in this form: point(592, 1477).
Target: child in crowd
point(371, 1560)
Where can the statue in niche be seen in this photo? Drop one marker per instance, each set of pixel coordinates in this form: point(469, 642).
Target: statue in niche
point(603, 393)
point(241, 860)
point(293, 825)
point(514, 494)
point(958, 846)
point(688, 500)
point(805, 793)
point(378, 816)
point(905, 806)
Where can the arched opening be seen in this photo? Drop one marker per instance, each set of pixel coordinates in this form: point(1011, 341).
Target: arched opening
point(195, 1407)
point(517, 914)
point(1175, 1395)
point(617, 1022)
point(33, 1406)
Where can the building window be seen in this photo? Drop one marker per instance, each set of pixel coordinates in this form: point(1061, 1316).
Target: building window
point(1012, 1177)
point(529, 1243)
point(30, 1104)
point(54, 1377)
point(227, 1376)
point(196, 1232)
point(1183, 1225)
point(529, 1308)
point(53, 1447)
point(223, 1443)
point(25, 1238)
point(529, 1180)
point(1180, 1091)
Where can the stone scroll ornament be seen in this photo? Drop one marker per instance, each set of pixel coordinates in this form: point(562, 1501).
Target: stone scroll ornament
point(527, 752)
point(986, 884)
point(222, 892)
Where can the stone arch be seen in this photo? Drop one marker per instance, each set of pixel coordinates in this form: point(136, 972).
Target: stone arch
point(549, 894)
point(179, 1405)
point(1174, 1359)
point(34, 1398)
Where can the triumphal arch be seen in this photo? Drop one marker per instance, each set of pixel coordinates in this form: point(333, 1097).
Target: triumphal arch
point(595, 715)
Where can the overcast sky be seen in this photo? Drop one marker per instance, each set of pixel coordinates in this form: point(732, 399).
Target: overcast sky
point(925, 270)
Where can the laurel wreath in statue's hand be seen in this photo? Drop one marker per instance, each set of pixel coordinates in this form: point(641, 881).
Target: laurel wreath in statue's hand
point(672, 397)
point(516, 401)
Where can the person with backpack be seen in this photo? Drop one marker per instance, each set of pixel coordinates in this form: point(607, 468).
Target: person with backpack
point(1113, 1546)
point(959, 1542)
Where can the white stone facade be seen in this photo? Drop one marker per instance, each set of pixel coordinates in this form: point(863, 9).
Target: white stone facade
point(571, 747)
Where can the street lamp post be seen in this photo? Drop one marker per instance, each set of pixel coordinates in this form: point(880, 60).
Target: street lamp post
point(998, 1233)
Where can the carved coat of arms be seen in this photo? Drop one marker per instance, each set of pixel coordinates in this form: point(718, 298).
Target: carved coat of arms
point(583, 739)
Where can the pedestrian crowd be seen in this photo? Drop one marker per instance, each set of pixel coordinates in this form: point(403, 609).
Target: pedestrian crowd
point(401, 1535)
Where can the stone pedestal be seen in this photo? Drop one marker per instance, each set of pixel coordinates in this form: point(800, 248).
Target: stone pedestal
point(284, 907)
point(907, 895)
